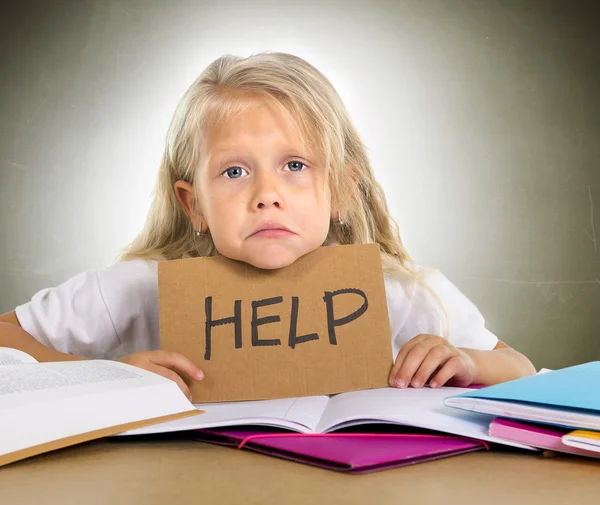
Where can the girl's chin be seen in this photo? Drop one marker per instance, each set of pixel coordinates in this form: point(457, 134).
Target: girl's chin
point(271, 259)
point(270, 254)
point(272, 263)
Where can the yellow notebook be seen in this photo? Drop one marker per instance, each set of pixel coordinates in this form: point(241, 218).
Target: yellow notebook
point(583, 439)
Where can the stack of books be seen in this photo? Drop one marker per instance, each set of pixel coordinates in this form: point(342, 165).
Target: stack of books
point(557, 410)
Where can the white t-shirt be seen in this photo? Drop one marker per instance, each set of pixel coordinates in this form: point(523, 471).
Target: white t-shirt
point(112, 312)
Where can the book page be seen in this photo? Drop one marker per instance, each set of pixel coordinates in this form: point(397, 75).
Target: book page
point(44, 402)
point(297, 414)
point(421, 408)
point(10, 356)
point(28, 383)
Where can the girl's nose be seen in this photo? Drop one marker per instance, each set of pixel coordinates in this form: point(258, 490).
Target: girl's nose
point(269, 200)
point(267, 193)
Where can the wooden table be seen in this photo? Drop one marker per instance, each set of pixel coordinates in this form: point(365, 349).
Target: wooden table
point(181, 472)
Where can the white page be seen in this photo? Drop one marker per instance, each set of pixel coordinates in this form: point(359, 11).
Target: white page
point(9, 356)
point(582, 442)
point(421, 408)
point(44, 382)
point(296, 414)
point(94, 395)
point(572, 418)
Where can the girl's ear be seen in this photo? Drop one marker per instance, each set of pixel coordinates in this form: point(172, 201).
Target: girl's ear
point(189, 203)
point(337, 218)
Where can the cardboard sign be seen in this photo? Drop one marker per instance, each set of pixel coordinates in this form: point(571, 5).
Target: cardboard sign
point(318, 326)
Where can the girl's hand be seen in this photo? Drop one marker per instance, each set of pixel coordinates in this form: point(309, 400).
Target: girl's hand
point(171, 365)
point(434, 359)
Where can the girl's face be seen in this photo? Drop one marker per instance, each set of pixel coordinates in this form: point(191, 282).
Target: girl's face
point(262, 195)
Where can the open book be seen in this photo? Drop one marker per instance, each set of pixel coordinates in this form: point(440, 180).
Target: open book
point(47, 406)
point(420, 408)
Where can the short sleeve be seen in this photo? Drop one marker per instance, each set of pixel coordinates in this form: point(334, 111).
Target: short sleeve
point(130, 293)
point(98, 314)
point(71, 317)
point(434, 305)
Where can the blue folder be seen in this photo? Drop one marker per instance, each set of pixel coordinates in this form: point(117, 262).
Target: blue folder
point(576, 387)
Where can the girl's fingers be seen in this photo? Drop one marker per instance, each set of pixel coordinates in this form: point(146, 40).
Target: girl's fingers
point(451, 368)
point(406, 348)
point(435, 358)
point(410, 365)
point(177, 362)
point(170, 374)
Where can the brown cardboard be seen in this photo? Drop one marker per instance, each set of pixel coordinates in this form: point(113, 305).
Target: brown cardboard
point(360, 358)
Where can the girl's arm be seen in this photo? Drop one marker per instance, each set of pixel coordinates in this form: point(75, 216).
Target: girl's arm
point(432, 359)
point(454, 360)
point(500, 365)
point(12, 335)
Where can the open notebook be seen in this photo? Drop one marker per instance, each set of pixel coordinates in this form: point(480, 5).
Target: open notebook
point(420, 408)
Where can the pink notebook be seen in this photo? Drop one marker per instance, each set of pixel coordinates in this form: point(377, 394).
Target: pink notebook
point(541, 436)
point(345, 452)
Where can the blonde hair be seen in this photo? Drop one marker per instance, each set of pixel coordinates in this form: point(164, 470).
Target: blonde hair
point(310, 98)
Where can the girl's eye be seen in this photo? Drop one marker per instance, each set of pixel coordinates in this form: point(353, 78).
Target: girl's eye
point(234, 172)
point(295, 166)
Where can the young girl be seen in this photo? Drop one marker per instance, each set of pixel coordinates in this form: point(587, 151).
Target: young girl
point(262, 165)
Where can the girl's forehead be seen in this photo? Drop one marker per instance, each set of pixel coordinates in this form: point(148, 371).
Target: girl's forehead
point(254, 122)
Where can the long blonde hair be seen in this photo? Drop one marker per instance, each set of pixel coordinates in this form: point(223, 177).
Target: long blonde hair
point(305, 93)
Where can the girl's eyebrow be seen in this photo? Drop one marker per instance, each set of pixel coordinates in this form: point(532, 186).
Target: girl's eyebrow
point(219, 156)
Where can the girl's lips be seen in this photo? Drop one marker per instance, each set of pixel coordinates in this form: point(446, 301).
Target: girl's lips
point(272, 233)
point(271, 230)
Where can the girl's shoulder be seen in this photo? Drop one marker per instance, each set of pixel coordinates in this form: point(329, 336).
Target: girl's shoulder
point(421, 279)
point(128, 280)
point(123, 272)
point(427, 291)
